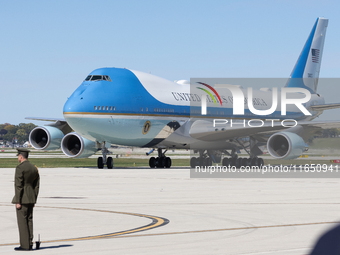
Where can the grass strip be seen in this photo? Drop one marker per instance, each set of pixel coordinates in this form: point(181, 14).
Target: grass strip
point(86, 162)
point(132, 162)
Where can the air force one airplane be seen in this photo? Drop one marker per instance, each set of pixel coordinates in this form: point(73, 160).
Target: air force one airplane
point(131, 108)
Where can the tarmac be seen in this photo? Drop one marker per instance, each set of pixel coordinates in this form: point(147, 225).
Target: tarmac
point(164, 211)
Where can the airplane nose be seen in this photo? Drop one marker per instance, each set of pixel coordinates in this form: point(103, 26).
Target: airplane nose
point(74, 105)
point(74, 109)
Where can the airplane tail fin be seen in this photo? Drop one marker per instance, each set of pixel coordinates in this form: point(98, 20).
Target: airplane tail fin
point(307, 68)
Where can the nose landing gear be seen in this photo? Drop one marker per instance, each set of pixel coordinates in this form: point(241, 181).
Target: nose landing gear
point(108, 161)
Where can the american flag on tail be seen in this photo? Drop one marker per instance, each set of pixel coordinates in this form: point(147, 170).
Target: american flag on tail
point(315, 55)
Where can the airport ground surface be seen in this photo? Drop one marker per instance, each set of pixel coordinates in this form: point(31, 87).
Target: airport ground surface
point(164, 211)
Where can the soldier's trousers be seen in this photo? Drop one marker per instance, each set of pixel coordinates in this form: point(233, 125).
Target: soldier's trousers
point(25, 225)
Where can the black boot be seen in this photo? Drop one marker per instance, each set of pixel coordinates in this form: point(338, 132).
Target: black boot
point(22, 249)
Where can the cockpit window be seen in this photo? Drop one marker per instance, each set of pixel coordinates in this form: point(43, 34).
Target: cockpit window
point(98, 78)
point(106, 77)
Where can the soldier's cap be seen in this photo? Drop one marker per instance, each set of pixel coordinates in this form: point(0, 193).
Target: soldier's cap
point(23, 151)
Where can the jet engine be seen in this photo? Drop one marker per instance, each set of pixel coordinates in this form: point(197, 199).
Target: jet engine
point(286, 145)
point(75, 146)
point(46, 138)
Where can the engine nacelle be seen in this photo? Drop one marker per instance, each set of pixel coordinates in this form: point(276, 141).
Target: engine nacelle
point(286, 145)
point(76, 146)
point(46, 138)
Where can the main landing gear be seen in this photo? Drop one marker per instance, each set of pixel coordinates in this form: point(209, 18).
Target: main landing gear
point(200, 161)
point(238, 162)
point(203, 160)
point(161, 161)
point(253, 160)
point(101, 161)
point(234, 161)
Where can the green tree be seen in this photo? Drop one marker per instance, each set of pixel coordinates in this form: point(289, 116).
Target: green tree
point(8, 132)
point(11, 130)
point(21, 135)
point(27, 127)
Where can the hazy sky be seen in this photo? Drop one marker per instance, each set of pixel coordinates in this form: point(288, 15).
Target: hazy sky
point(49, 47)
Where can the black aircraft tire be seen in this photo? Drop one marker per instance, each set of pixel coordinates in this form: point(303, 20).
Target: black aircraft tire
point(193, 162)
point(160, 162)
point(233, 161)
point(226, 162)
point(100, 163)
point(244, 162)
point(109, 163)
point(254, 162)
point(238, 162)
point(152, 162)
point(209, 161)
point(167, 162)
point(260, 162)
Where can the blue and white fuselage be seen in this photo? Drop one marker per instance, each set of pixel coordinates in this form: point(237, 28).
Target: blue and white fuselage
point(115, 110)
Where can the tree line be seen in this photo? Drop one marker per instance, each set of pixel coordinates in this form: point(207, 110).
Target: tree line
point(17, 134)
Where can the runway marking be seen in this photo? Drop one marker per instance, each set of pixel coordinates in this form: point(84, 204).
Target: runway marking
point(232, 229)
point(156, 222)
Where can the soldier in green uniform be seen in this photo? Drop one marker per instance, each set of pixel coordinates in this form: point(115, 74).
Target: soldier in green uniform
point(26, 185)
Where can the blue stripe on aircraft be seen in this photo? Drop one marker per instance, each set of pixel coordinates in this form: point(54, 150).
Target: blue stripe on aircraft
point(125, 93)
point(128, 96)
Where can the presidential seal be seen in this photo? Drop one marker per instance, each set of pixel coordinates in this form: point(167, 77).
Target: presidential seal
point(146, 127)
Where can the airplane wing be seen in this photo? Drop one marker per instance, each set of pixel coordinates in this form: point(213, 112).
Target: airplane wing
point(323, 107)
point(57, 122)
point(45, 119)
point(205, 130)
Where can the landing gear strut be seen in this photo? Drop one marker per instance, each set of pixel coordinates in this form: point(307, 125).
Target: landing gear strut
point(161, 161)
point(101, 161)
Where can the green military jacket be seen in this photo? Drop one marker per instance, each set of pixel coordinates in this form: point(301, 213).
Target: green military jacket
point(26, 183)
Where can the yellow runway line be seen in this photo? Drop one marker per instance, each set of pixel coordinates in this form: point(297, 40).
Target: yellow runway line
point(156, 222)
